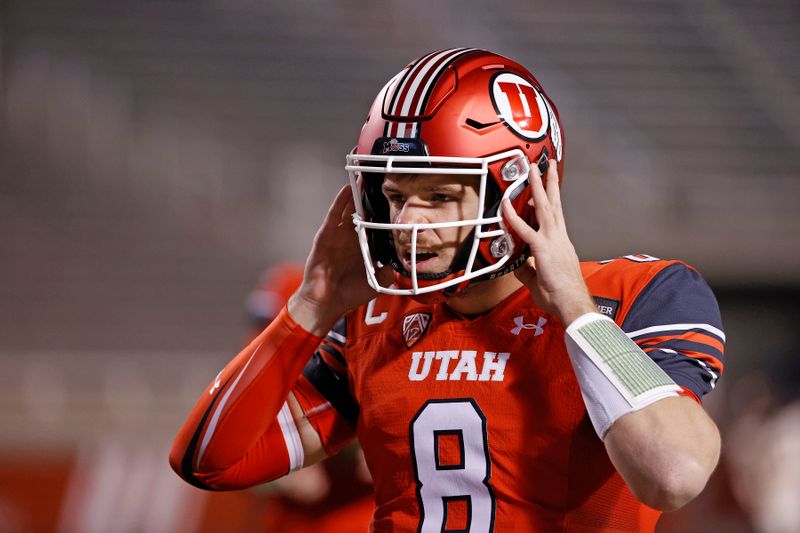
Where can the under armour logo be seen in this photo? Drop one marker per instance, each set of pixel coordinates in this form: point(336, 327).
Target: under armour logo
point(519, 322)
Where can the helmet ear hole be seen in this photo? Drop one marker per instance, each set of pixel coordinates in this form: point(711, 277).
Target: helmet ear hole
point(375, 204)
point(492, 201)
point(543, 161)
point(376, 207)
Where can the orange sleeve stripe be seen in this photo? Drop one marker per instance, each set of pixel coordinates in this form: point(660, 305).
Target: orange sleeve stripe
point(332, 361)
point(691, 336)
point(688, 392)
point(715, 363)
point(307, 396)
point(334, 430)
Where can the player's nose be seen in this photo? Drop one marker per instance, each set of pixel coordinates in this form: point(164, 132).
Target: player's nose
point(412, 212)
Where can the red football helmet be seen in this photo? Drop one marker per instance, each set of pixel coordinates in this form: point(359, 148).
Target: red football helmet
point(455, 111)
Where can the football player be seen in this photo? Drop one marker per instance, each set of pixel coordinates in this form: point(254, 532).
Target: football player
point(495, 383)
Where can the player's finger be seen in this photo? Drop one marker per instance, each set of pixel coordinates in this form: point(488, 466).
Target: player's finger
point(551, 185)
point(345, 204)
point(516, 224)
point(554, 192)
point(341, 198)
point(541, 204)
point(335, 214)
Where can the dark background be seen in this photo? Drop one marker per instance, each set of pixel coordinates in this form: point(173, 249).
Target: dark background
point(155, 156)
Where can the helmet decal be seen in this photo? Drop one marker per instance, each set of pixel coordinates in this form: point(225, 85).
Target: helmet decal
point(410, 95)
point(521, 106)
point(555, 131)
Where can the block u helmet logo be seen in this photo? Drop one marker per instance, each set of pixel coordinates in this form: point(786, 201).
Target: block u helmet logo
point(524, 110)
point(520, 106)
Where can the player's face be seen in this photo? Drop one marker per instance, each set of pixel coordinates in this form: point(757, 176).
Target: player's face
point(430, 198)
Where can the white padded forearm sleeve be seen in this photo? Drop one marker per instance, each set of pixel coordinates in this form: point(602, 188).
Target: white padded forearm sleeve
point(615, 376)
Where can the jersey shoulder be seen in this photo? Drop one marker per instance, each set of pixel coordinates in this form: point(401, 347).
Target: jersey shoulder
point(616, 283)
point(669, 310)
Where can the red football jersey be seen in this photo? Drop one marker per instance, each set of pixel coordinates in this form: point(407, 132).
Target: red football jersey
point(477, 424)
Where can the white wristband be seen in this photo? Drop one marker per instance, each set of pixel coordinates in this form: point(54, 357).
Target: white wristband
point(615, 376)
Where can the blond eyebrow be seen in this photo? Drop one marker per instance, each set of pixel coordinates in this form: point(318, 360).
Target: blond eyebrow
point(389, 189)
point(451, 188)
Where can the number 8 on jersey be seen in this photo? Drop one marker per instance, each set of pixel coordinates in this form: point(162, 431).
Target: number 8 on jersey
point(452, 467)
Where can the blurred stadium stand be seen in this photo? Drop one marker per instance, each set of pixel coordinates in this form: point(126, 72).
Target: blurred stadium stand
point(156, 155)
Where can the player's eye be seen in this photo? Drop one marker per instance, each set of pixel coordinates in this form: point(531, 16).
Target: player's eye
point(439, 197)
point(394, 198)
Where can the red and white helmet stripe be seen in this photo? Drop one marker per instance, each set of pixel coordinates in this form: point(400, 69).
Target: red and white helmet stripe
point(411, 93)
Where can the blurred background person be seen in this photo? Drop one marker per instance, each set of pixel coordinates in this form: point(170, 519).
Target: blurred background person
point(275, 285)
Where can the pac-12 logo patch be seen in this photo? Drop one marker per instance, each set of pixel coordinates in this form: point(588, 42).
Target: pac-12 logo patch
point(414, 327)
point(521, 106)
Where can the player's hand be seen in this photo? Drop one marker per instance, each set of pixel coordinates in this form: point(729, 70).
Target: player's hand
point(552, 273)
point(334, 280)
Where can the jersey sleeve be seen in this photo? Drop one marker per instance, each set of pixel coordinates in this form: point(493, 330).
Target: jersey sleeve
point(675, 319)
point(324, 393)
point(241, 431)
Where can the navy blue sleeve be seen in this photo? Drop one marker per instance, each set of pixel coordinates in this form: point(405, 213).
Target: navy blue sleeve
point(327, 372)
point(675, 319)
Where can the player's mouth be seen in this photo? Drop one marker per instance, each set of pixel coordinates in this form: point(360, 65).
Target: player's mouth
point(425, 260)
